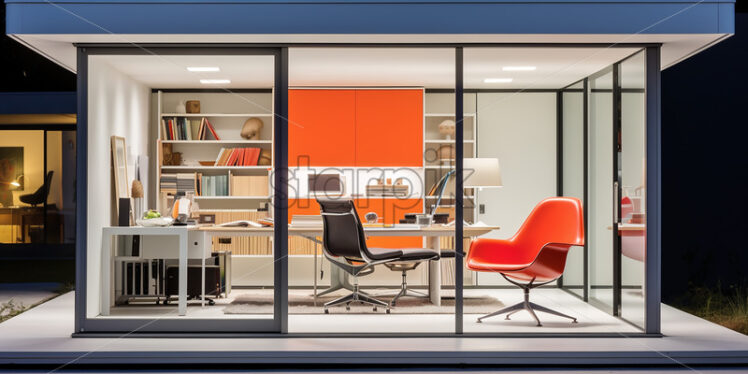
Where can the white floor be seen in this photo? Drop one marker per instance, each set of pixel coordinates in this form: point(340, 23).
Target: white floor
point(589, 319)
point(43, 335)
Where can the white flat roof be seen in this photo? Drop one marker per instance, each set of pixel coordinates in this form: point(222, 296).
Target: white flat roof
point(675, 47)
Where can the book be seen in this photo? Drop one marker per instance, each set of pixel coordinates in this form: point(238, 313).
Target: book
point(195, 127)
point(233, 157)
point(171, 129)
point(253, 154)
point(211, 129)
point(241, 223)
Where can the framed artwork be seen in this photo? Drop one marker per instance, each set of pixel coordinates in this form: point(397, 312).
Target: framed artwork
point(119, 163)
point(11, 168)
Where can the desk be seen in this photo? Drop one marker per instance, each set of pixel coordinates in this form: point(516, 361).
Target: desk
point(184, 252)
point(432, 234)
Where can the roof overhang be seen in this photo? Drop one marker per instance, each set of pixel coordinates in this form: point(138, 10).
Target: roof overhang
point(682, 27)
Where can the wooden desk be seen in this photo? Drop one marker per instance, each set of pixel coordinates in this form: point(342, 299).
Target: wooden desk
point(432, 234)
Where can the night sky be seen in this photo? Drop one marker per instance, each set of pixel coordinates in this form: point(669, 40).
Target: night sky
point(705, 155)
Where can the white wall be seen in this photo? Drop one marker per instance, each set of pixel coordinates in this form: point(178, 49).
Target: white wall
point(117, 105)
point(520, 130)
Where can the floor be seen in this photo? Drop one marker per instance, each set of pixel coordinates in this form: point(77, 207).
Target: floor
point(590, 319)
point(43, 335)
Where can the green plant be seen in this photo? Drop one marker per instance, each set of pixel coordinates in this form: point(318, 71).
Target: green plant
point(11, 309)
point(727, 307)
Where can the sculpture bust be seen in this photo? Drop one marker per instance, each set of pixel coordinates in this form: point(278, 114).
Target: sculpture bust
point(251, 129)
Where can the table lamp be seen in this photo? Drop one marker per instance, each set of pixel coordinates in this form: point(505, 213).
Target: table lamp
point(477, 173)
point(481, 173)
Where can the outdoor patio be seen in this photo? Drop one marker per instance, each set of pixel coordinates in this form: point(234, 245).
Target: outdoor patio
point(43, 336)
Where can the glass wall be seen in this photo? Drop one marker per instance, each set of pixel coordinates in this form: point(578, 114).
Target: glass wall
point(184, 140)
point(373, 128)
point(601, 189)
point(573, 184)
point(631, 161)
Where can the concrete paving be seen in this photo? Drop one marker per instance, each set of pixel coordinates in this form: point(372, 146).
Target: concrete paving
point(26, 295)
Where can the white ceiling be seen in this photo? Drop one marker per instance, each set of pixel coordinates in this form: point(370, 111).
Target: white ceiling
point(60, 47)
point(416, 67)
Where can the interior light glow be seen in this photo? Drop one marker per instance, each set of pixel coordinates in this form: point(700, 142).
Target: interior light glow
point(215, 81)
point(497, 80)
point(202, 69)
point(518, 68)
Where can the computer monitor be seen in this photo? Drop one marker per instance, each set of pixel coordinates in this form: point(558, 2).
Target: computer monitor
point(325, 184)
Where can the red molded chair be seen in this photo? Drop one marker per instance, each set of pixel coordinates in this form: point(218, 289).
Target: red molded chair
point(536, 254)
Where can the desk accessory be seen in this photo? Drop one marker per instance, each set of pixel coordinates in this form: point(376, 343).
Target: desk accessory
point(192, 106)
point(123, 212)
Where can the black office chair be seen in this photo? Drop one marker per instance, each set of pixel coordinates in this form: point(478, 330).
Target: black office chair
point(40, 195)
point(344, 245)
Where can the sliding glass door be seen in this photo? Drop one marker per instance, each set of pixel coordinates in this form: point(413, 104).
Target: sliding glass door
point(200, 134)
point(573, 133)
point(631, 218)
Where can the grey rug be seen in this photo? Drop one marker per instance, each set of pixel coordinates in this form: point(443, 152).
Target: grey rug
point(302, 302)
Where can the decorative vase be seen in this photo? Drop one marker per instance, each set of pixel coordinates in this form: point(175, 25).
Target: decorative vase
point(181, 107)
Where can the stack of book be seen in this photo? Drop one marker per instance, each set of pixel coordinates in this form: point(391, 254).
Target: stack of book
point(183, 128)
point(169, 183)
point(238, 157)
point(181, 182)
point(187, 183)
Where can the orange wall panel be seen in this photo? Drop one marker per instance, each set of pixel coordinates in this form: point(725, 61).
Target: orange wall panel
point(321, 125)
point(389, 210)
point(389, 128)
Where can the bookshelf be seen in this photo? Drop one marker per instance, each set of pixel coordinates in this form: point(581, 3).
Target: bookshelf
point(435, 166)
point(226, 113)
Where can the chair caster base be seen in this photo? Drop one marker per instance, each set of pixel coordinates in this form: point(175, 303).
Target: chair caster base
point(327, 311)
point(374, 309)
point(574, 321)
point(478, 321)
point(388, 311)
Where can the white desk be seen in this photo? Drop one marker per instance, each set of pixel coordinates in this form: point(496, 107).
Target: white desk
point(432, 234)
point(182, 252)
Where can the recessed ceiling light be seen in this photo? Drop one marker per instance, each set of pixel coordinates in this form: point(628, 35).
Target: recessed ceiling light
point(518, 68)
point(215, 81)
point(497, 80)
point(200, 69)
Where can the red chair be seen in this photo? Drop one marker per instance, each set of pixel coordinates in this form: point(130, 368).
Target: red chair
point(536, 254)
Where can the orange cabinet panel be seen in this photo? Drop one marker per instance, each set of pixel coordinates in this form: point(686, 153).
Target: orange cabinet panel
point(389, 211)
point(321, 126)
point(389, 128)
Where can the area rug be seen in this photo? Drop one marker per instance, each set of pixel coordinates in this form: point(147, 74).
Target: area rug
point(302, 302)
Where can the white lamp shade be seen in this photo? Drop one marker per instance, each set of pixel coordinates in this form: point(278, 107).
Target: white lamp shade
point(481, 172)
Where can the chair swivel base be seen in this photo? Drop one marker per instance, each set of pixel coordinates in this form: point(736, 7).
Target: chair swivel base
point(356, 296)
point(530, 307)
point(405, 291)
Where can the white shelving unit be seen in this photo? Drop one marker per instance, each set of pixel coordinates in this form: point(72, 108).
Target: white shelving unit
point(435, 168)
point(227, 113)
